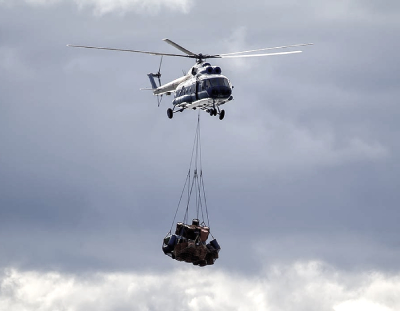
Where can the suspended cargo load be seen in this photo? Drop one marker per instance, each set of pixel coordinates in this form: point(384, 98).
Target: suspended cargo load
point(189, 243)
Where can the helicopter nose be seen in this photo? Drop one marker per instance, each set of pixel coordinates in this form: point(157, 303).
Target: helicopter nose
point(221, 92)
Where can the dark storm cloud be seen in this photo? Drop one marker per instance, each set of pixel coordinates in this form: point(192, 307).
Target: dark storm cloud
point(91, 171)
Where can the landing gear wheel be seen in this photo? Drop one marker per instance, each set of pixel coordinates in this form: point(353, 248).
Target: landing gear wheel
point(222, 114)
point(170, 113)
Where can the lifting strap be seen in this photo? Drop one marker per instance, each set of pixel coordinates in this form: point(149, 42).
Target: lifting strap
point(194, 184)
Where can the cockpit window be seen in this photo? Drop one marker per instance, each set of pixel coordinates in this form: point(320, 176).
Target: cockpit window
point(219, 81)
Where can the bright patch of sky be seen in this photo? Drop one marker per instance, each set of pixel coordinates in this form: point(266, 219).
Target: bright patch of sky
point(101, 7)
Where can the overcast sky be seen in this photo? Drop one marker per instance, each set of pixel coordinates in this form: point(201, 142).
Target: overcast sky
point(302, 176)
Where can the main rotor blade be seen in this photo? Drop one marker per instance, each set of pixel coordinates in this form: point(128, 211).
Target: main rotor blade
point(257, 55)
point(122, 50)
point(277, 47)
point(180, 48)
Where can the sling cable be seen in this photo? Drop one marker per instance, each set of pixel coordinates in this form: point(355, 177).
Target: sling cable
point(189, 242)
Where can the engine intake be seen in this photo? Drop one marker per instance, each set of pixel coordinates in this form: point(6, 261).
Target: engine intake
point(217, 70)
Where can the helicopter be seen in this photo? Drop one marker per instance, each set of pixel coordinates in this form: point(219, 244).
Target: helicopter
point(203, 86)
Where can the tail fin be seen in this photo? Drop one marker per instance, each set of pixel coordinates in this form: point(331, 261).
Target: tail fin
point(151, 77)
point(154, 86)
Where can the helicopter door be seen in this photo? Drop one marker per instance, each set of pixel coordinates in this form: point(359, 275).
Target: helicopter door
point(198, 89)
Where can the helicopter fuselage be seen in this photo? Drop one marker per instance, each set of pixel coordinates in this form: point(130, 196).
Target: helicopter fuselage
point(202, 87)
point(203, 91)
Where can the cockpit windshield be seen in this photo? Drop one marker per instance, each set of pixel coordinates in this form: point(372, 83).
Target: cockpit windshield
point(219, 82)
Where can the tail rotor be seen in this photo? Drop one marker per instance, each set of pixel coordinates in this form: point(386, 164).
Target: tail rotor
point(153, 83)
point(158, 75)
